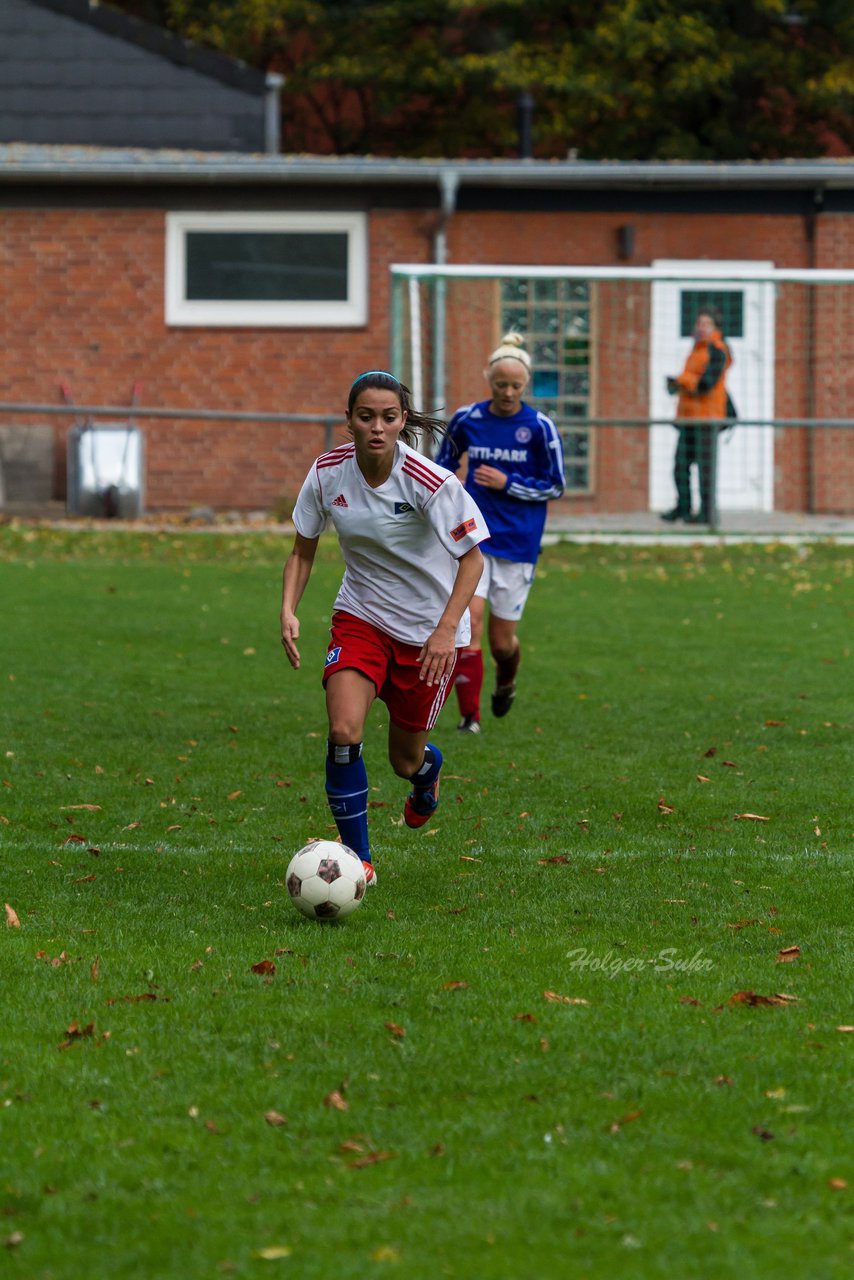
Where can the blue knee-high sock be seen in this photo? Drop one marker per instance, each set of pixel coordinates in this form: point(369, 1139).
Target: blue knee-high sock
point(429, 771)
point(347, 793)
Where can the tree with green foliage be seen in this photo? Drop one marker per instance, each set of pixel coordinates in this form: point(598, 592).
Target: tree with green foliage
point(610, 79)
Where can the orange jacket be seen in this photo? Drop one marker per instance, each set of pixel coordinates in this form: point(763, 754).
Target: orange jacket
point(702, 387)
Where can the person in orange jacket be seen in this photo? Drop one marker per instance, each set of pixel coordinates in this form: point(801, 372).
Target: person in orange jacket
point(701, 388)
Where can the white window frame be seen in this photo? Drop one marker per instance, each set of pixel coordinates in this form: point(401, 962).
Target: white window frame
point(350, 313)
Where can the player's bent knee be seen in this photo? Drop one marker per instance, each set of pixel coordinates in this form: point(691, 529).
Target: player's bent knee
point(405, 766)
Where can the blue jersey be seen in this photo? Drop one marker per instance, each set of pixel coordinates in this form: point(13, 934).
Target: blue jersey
point(527, 448)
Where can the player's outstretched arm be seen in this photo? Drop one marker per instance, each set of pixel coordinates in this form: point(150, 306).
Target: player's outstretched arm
point(437, 653)
point(295, 576)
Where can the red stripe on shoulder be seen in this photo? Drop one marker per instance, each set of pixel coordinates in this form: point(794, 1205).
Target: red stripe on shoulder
point(336, 456)
point(432, 480)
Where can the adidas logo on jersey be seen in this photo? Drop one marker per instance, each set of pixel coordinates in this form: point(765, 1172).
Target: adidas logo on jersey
point(340, 501)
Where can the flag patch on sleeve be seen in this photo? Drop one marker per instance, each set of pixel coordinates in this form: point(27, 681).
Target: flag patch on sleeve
point(462, 529)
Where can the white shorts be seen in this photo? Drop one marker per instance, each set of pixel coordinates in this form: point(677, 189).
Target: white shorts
point(505, 584)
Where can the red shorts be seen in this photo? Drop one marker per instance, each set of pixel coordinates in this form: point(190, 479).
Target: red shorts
point(393, 668)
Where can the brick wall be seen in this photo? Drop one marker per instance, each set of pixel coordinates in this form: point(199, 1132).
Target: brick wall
point(83, 303)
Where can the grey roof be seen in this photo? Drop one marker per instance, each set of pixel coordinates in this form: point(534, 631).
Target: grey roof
point(71, 72)
point(46, 164)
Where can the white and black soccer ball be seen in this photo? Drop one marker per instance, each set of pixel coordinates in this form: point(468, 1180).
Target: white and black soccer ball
point(325, 880)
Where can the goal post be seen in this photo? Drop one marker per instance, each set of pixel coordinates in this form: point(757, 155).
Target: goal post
point(604, 340)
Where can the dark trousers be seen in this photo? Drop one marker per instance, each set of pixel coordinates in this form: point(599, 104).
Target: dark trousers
point(695, 445)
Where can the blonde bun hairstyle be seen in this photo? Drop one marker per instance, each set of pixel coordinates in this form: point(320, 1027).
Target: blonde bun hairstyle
point(511, 347)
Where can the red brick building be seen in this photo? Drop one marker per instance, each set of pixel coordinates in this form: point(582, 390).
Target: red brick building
point(236, 283)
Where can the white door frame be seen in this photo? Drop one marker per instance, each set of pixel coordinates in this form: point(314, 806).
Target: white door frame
point(746, 455)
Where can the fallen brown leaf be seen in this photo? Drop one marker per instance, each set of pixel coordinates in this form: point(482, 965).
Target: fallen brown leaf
point(788, 954)
point(556, 998)
point(12, 921)
point(616, 1125)
point(765, 1134)
point(753, 817)
point(454, 985)
point(837, 1184)
point(751, 998)
point(664, 807)
point(275, 1118)
point(395, 1029)
point(558, 858)
point(336, 1101)
point(75, 1032)
point(373, 1157)
point(264, 966)
point(524, 1017)
point(742, 924)
point(146, 997)
point(90, 808)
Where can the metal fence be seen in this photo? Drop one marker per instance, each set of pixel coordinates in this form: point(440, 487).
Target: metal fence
point(814, 447)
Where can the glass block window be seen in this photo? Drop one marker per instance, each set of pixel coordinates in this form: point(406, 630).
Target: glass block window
point(554, 316)
point(726, 304)
point(266, 269)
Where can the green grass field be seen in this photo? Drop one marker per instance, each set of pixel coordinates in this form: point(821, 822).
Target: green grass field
point(596, 1019)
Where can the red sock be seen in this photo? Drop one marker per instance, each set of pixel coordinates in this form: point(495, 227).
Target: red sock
point(469, 682)
point(505, 670)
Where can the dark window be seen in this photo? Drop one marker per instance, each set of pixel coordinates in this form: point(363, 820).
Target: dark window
point(266, 266)
point(726, 304)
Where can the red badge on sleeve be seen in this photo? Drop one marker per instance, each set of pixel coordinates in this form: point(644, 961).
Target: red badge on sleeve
point(462, 529)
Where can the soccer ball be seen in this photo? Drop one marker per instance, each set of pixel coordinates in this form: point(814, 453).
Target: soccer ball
point(325, 880)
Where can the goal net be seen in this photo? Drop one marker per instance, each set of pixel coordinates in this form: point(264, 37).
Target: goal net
point(605, 340)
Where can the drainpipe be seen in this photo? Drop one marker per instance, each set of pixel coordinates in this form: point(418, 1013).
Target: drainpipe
point(449, 182)
point(273, 113)
point(525, 111)
point(811, 230)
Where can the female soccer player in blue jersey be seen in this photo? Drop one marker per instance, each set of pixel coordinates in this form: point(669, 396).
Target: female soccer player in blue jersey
point(409, 535)
point(515, 464)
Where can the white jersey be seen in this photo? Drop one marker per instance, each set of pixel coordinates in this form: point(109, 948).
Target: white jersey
point(400, 542)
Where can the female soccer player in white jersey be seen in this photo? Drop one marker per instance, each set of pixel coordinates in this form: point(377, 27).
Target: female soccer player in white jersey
point(515, 464)
point(409, 535)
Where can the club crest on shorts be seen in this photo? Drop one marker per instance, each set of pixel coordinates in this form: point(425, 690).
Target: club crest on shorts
point(467, 526)
point(333, 655)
